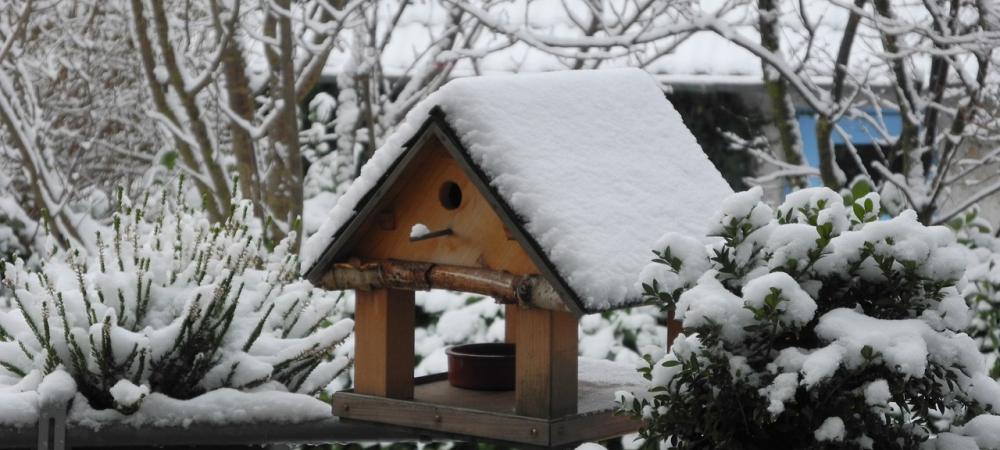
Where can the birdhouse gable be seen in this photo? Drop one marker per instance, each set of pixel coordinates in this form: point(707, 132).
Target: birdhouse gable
point(583, 170)
point(433, 212)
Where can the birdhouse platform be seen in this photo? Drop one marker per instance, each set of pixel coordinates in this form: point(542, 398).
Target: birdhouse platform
point(445, 411)
point(545, 192)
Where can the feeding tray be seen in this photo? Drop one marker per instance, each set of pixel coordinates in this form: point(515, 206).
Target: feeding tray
point(442, 410)
point(483, 367)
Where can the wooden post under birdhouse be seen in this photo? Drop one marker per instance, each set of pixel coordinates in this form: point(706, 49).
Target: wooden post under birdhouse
point(510, 324)
point(383, 347)
point(546, 363)
point(674, 327)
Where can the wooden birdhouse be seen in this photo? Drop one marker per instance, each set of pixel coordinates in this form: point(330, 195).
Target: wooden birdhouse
point(545, 192)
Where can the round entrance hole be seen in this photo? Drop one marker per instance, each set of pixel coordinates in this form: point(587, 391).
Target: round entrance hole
point(450, 195)
point(484, 367)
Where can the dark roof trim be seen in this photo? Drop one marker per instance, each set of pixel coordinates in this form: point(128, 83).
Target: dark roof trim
point(367, 204)
point(437, 125)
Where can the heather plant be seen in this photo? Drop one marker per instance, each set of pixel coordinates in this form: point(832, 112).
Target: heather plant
point(172, 303)
point(815, 325)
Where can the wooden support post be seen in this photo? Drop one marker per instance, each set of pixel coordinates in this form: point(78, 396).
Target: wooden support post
point(546, 363)
point(510, 323)
point(52, 426)
point(674, 328)
point(383, 347)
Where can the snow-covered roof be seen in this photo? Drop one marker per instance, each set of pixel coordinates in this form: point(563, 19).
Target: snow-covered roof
point(596, 165)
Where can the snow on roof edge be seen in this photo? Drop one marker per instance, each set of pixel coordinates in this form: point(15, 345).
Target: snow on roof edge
point(316, 248)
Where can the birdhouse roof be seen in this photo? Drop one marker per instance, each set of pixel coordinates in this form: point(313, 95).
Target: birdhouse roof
point(592, 167)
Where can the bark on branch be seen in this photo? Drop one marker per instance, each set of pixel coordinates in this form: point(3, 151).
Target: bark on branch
point(525, 290)
point(777, 89)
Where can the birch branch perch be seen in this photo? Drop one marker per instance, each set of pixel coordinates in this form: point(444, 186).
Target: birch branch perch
point(525, 290)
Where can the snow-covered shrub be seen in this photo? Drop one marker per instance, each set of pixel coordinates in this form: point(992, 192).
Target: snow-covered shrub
point(330, 170)
point(982, 287)
point(17, 229)
point(173, 304)
point(814, 325)
point(446, 318)
point(623, 335)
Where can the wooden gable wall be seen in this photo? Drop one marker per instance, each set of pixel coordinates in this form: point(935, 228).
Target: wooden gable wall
point(478, 239)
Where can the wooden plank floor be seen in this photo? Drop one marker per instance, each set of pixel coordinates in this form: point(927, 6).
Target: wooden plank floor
point(434, 389)
point(453, 412)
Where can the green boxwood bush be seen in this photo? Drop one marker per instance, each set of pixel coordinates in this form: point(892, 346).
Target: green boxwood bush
point(815, 325)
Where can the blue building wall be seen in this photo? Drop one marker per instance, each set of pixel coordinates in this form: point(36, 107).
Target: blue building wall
point(860, 131)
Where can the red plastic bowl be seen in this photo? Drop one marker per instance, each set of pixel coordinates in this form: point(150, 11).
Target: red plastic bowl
point(483, 367)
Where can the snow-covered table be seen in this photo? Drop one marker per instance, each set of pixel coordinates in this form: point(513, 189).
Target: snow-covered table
point(329, 430)
point(220, 417)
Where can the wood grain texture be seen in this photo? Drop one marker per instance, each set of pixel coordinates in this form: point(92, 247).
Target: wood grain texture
point(451, 412)
point(510, 323)
point(546, 361)
point(505, 287)
point(599, 426)
point(674, 327)
point(384, 357)
point(478, 237)
point(442, 418)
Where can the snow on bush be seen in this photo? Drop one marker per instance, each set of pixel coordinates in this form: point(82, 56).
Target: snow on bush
point(982, 288)
point(446, 318)
point(451, 318)
point(17, 229)
point(623, 335)
point(814, 325)
point(170, 304)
